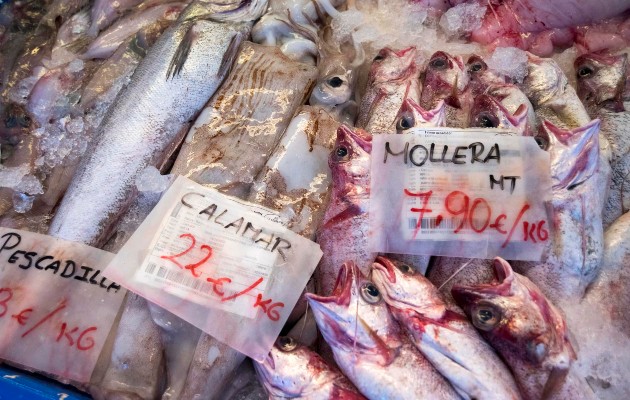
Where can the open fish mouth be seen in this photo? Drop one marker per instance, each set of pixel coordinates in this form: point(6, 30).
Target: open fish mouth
point(500, 286)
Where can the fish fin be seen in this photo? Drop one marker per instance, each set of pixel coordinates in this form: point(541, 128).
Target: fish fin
point(228, 56)
point(181, 54)
point(350, 212)
point(78, 45)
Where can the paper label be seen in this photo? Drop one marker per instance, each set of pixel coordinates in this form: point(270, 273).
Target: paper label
point(462, 193)
point(56, 307)
point(219, 263)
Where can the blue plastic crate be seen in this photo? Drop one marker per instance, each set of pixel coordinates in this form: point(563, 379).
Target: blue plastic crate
point(16, 384)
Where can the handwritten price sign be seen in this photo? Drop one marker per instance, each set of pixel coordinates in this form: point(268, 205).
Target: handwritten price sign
point(56, 309)
point(459, 193)
point(219, 263)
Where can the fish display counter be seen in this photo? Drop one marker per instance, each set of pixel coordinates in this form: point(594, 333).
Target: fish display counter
point(331, 199)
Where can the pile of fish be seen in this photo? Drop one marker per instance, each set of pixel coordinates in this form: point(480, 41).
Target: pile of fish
point(276, 102)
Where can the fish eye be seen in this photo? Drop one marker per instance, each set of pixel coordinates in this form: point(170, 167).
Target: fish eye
point(486, 120)
point(438, 63)
point(585, 71)
point(406, 269)
point(24, 121)
point(341, 151)
point(537, 351)
point(370, 293)
point(335, 81)
point(10, 122)
point(542, 142)
point(286, 343)
point(379, 57)
point(486, 316)
point(476, 66)
point(405, 122)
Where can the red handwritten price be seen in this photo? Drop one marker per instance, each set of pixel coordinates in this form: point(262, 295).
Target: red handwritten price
point(268, 306)
point(477, 216)
point(72, 336)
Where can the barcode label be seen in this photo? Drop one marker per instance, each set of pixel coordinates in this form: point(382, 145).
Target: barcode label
point(181, 278)
point(431, 223)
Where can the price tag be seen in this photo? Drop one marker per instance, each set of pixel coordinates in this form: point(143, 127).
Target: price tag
point(462, 193)
point(56, 307)
point(223, 265)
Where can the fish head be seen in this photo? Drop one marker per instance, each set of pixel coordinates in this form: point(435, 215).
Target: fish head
point(512, 98)
point(403, 287)
point(16, 122)
point(517, 319)
point(480, 76)
point(289, 368)
point(412, 115)
point(488, 112)
point(350, 163)
point(544, 81)
point(445, 79)
point(393, 65)
point(354, 318)
point(574, 153)
point(601, 79)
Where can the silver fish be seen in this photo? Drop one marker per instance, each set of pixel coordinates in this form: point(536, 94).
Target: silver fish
point(442, 334)
point(189, 61)
point(368, 345)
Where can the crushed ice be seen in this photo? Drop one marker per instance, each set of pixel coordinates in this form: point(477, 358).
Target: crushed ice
point(509, 61)
point(150, 180)
point(462, 19)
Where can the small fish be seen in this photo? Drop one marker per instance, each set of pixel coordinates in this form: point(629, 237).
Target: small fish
point(368, 345)
point(293, 371)
point(393, 77)
point(446, 79)
point(527, 331)
point(442, 334)
point(169, 87)
point(343, 235)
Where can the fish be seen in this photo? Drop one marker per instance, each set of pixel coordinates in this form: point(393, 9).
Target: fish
point(480, 76)
point(446, 79)
point(343, 235)
point(572, 258)
point(192, 57)
point(412, 115)
point(442, 333)
point(239, 128)
point(601, 83)
point(527, 330)
point(512, 98)
point(368, 345)
point(292, 370)
point(104, 12)
point(393, 77)
point(108, 41)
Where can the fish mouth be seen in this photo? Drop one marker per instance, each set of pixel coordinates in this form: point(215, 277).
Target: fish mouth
point(500, 286)
point(603, 58)
point(402, 53)
point(492, 105)
point(409, 105)
point(342, 291)
point(386, 267)
point(359, 136)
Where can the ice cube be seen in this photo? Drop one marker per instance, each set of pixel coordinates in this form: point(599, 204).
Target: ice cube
point(75, 66)
point(509, 61)
point(22, 202)
point(150, 180)
point(10, 177)
point(462, 19)
point(30, 185)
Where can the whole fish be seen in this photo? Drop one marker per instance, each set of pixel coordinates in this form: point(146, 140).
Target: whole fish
point(527, 331)
point(292, 370)
point(368, 345)
point(343, 235)
point(412, 115)
point(108, 41)
point(238, 129)
point(442, 334)
point(393, 77)
point(446, 79)
point(572, 258)
point(601, 82)
point(169, 87)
